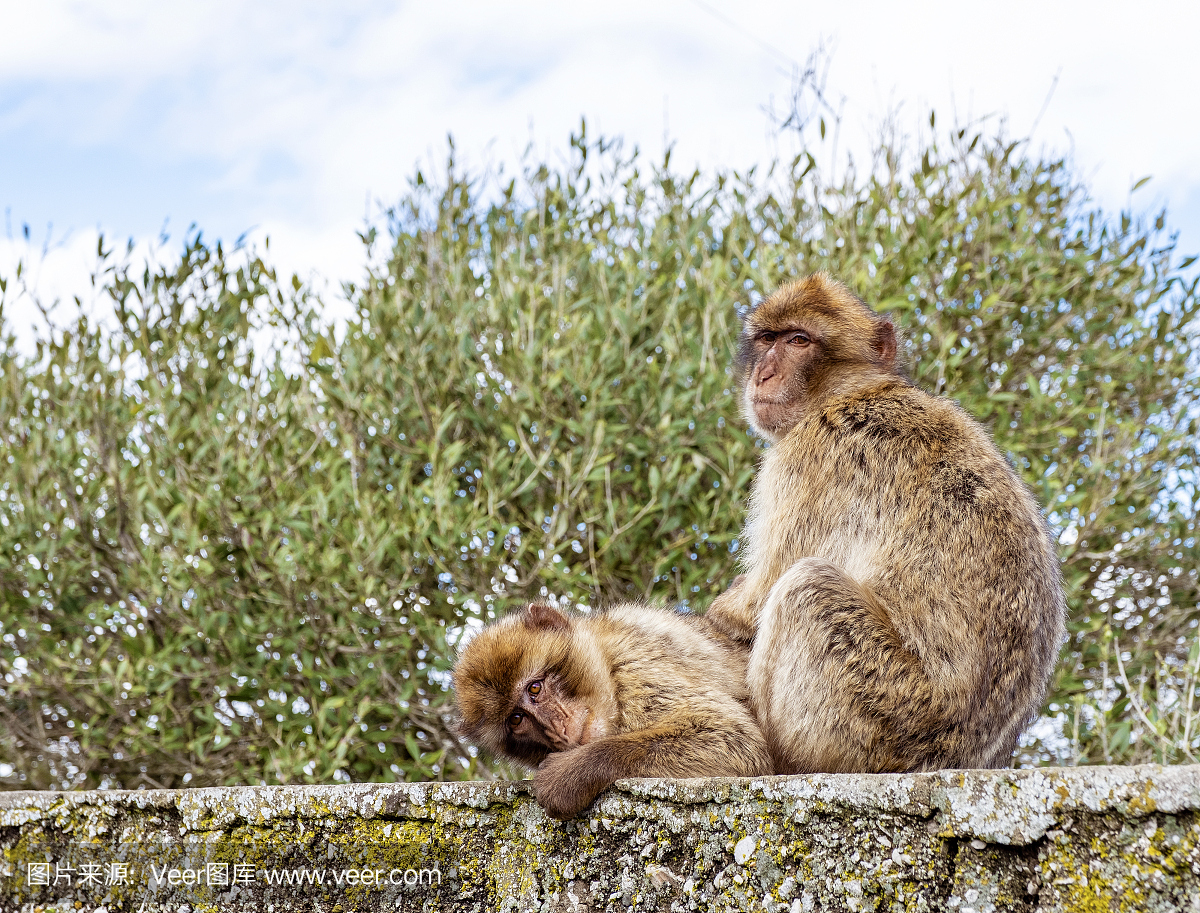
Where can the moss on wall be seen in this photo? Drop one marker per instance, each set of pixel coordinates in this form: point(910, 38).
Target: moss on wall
point(1085, 839)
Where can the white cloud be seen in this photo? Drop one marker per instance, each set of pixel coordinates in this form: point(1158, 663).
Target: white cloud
point(294, 119)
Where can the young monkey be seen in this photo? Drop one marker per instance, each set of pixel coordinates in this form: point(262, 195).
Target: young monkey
point(630, 691)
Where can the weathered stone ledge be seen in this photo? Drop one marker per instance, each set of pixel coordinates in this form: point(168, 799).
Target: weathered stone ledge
point(1086, 839)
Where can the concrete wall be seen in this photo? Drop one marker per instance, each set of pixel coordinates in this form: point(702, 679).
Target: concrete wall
point(1086, 839)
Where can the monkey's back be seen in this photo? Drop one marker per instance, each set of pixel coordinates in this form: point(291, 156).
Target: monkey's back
point(663, 660)
point(919, 506)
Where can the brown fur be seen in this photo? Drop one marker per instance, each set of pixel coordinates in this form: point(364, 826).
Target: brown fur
point(901, 587)
point(631, 691)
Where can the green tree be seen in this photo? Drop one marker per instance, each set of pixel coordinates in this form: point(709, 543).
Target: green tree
point(237, 546)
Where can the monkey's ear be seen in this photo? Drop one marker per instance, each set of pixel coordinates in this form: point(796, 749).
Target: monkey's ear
point(884, 342)
point(540, 616)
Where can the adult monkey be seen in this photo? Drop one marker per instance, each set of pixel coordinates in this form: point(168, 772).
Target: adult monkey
point(900, 585)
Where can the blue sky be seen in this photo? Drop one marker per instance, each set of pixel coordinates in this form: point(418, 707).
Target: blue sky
point(298, 120)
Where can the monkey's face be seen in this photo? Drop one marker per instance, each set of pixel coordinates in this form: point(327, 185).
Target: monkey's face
point(779, 363)
point(547, 717)
point(531, 684)
point(798, 342)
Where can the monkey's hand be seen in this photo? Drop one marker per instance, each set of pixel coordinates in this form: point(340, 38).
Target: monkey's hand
point(565, 783)
point(731, 613)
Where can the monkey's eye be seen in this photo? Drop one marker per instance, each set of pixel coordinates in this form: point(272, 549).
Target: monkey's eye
point(515, 719)
point(768, 338)
point(801, 339)
point(535, 688)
